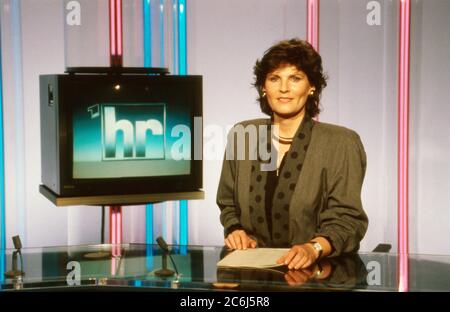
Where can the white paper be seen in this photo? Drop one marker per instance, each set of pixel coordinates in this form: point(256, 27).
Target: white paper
point(253, 258)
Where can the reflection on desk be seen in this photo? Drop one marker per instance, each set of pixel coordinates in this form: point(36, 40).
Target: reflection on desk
point(132, 267)
point(340, 273)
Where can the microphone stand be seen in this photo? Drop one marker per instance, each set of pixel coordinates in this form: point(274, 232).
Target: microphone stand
point(15, 272)
point(164, 271)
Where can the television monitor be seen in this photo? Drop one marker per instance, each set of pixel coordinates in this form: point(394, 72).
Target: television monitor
point(110, 134)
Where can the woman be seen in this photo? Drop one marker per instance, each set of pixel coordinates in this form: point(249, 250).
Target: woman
point(311, 203)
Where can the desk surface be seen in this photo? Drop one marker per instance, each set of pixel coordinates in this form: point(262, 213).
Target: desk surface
point(133, 266)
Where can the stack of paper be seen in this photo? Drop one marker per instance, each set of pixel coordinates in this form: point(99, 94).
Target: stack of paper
point(253, 258)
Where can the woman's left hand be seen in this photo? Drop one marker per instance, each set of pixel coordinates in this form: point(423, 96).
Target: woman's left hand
point(299, 257)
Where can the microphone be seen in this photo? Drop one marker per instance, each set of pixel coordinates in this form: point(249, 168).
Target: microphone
point(17, 243)
point(164, 271)
point(162, 244)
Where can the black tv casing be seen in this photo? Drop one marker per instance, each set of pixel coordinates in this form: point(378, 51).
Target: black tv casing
point(57, 96)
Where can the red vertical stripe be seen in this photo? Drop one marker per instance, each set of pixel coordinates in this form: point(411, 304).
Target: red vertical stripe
point(112, 28)
point(403, 141)
point(115, 229)
point(115, 32)
point(312, 26)
point(116, 51)
point(119, 29)
point(312, 23)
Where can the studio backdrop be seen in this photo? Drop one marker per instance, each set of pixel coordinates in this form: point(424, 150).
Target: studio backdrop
point(359, 44)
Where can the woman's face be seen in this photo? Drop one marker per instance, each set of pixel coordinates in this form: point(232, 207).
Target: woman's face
point(287, 90)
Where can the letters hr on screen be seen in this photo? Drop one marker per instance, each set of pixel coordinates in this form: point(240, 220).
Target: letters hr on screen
point(209, 144)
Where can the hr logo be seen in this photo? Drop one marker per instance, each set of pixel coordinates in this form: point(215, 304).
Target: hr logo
point(131, 131)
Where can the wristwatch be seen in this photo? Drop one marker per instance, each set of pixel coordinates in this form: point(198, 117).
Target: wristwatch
point(317, 247)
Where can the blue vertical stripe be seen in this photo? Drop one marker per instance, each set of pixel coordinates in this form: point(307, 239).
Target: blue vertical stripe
point(175, 36)
point(149, 224)
point(182, 43)
point(2, 179)
point(183, 222)
point(161, 33)
point(149, 260)
point(148, 63)
point(182, 68)
point(149, 235)
point(147, 33)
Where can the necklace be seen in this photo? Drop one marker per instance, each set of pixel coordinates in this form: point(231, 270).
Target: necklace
point(282, 139)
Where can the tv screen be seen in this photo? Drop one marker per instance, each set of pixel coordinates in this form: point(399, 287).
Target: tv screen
point(115, 140)
point(120, 134)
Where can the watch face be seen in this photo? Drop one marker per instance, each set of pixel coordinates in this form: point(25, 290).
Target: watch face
point(317, 246)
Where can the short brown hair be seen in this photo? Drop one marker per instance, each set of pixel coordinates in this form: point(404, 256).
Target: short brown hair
point(300, 54)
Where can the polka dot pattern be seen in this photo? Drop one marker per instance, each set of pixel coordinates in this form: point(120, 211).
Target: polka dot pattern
point(271, 224)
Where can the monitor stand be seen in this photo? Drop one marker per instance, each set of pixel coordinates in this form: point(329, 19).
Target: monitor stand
point(123, 200)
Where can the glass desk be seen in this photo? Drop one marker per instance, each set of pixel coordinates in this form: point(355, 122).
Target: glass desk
point(133, 267)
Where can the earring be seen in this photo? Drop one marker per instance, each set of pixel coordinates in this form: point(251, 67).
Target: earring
point(311, 93)
point(264, 94)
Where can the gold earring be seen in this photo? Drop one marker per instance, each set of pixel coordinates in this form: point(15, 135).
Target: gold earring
point(311, 93)
point(263, 94)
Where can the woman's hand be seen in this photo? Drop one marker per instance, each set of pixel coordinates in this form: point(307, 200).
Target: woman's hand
point(238, 239)
point(320, 271)
point(297, 277)
point(299, 257)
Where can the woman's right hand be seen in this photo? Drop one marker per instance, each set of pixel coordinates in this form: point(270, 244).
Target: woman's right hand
point(238, 239)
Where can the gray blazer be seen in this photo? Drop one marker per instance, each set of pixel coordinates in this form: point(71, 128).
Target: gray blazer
point(327, 199)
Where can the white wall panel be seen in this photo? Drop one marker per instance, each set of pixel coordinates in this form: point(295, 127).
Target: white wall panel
point(42, 51)
point(361, 61)
point(86, 43)
point(430, 139)
point(224, 40)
